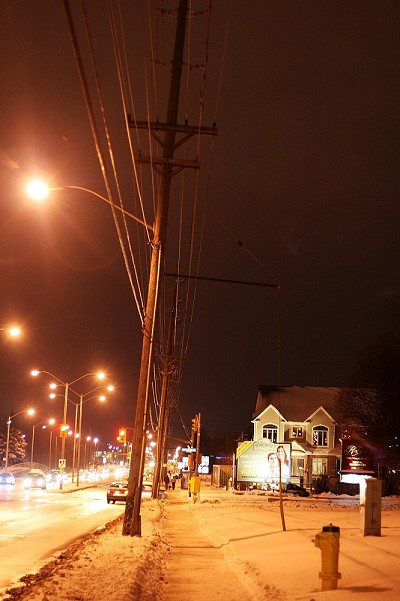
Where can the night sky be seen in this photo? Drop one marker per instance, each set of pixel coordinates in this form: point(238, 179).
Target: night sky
point(301, 188)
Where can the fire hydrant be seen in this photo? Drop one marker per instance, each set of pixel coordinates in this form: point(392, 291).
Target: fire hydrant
point(328, 541)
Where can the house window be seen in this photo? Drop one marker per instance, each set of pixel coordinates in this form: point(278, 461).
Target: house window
point(297, 432)
point(319, 466)
point(270, 431)
point(298, 467)
point(320, 436)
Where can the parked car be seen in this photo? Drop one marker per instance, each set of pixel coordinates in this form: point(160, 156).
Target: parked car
point(7, 478)
point(35, 479)
point(117, 491)
point(295, 489)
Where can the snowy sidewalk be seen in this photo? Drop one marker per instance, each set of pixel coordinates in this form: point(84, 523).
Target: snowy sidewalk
point(226, 543)
point(195, 569)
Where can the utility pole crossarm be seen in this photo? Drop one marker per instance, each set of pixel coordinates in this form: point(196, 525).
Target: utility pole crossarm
point(191, 130)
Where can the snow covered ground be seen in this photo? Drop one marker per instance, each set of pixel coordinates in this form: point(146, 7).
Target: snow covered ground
point(226, 546)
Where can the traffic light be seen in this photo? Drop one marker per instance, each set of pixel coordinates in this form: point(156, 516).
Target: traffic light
point(194, 430)
point(64, 431)
point(122, 435)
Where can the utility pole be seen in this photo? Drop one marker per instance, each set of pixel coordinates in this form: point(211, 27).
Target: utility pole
point(166, 165)
point(163, 419)
point(198, 453)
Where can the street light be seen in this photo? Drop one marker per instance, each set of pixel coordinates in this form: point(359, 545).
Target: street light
point(132, 518)
point(66, 385)
point(13, 331)
point(29, 412)
point(78, 428)
point(51, 422)
point(38, 190)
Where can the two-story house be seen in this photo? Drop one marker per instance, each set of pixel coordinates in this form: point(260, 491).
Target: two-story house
point(303, 416)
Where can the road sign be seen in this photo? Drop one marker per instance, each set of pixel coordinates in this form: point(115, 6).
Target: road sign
point(62, 464)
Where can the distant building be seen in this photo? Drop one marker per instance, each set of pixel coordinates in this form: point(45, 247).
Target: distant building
point(303, 416)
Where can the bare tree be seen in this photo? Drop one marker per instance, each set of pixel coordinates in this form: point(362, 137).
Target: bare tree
point(370, 398)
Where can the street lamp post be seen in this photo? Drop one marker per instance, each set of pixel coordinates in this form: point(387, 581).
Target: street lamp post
point(29, 412)
point(66, 385)
point(81, 403)
point(51, 422)
point(76, 453)
point(50, 445)
point(39, 190)
point(96, 442)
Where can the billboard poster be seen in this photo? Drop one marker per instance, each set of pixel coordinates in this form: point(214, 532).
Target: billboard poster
point(356, 457)
point(258, 462)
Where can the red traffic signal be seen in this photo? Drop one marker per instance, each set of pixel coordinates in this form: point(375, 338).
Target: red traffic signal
point(122, 435)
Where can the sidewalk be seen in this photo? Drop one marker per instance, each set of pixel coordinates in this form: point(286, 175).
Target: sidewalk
point(236, 544)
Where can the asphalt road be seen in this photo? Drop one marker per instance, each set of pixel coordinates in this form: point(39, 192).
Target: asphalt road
point(35, 525)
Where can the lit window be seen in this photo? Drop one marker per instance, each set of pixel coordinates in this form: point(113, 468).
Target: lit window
point(320, 436)
point(319, 466)
point(297, 432)
point(270, 431)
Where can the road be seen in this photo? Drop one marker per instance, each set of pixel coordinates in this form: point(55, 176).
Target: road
point(35, 525)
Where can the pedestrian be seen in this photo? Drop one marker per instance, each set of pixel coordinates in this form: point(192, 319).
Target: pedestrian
point(166, 482)
point(174, 479)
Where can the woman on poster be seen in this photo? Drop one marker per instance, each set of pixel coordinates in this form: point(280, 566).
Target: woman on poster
point(284, 463)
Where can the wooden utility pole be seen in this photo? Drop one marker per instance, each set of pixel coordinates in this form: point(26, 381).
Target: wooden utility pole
point(163, 419)
point(166, 166)
point(198, 453)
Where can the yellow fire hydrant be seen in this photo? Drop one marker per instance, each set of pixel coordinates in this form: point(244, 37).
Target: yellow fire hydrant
point(328, 541)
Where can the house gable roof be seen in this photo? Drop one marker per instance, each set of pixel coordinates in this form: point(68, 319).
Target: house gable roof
point(296, 403)
point(274, 409)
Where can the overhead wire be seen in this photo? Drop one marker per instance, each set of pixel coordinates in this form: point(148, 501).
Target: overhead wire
point(96, 139)
point(190, 302)
point(123, 99)
point(132, 155)
point(139, 302)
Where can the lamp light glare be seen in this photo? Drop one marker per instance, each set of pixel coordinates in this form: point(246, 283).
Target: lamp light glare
point(37, 189)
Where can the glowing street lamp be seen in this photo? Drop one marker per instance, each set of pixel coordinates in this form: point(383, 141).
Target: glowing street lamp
point(12, 331)
point(28, 412)
point(39, 190)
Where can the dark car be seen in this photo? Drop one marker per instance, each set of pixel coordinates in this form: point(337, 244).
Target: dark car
point(35, 479)
point(7, 478)
point(295, 489)
point(117, 491)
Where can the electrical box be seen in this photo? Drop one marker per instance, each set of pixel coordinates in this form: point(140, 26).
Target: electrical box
point(195, 485)
point(371, 506)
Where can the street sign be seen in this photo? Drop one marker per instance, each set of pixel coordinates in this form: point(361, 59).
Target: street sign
point(62, 464)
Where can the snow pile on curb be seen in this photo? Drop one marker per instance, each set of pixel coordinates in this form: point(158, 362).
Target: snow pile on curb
point(105, 565)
